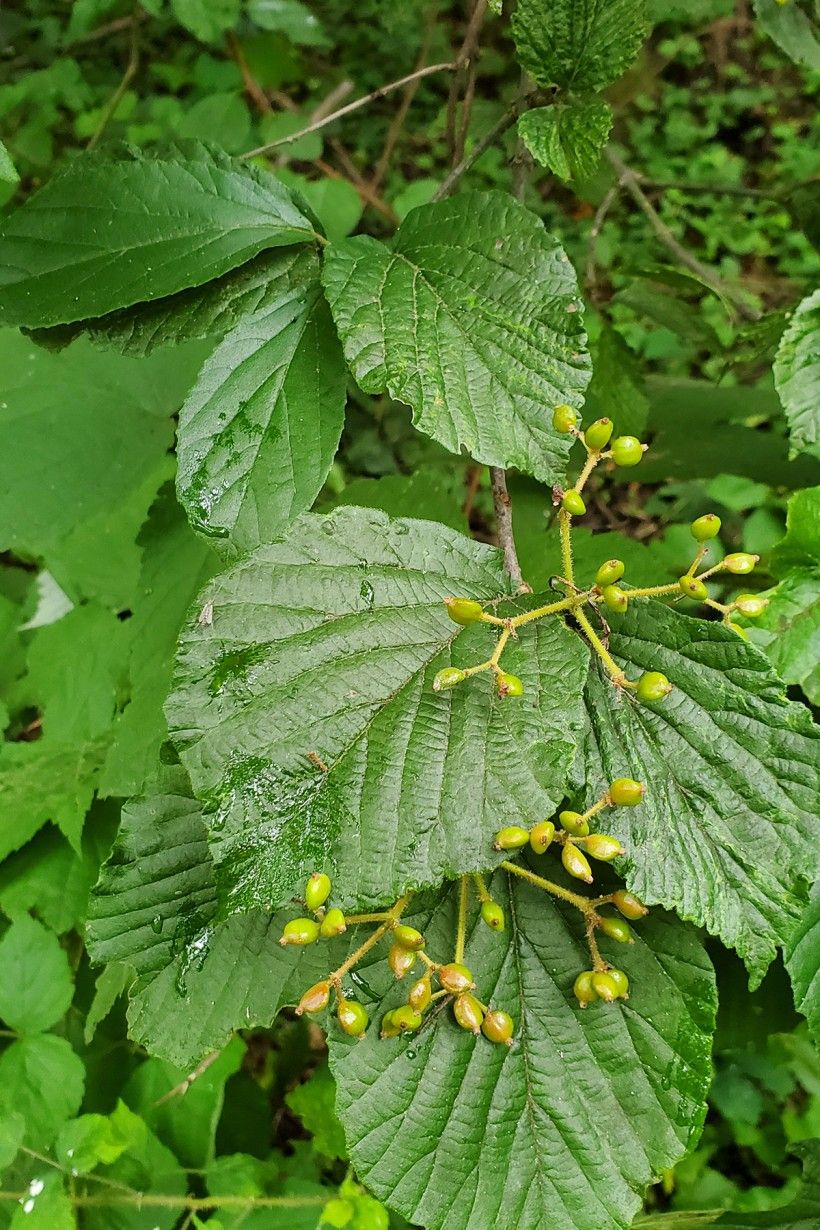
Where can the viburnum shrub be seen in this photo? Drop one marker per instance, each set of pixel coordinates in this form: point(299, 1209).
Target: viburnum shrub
point(379, 718)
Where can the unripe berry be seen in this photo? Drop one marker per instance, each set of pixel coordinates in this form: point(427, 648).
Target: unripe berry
point(456, 978)
point(740, 562)
point(317, 890)
point(609, 572)
point(352, 1017)
point(617, 929)
point(705, 527)
point(693, 588)
point(583, 989)
point(653, 686)
point(603, 847)
point(447, 677)
point(511, 838)
point(573, 503)
point(541, 836)
point(300, 931)
point(315, 999)
point(464, 610)
point(751, 605)
point(576, 863)
point(624, 792)
point(408, 937)
point(389, 1027)
point(628, 904)
point(564, 418)
point(615, 598)
point(605, 987)
point(598, 434)
point(493, 915)
point(627, 451)
point(621, 982)
point(401, 960)
point(468, 1012)
point(498, 1026)
point(406, 1019)
point(741, 632)
point(420, 993)
point(574, 823)
point(332, 924)
point(508, 685)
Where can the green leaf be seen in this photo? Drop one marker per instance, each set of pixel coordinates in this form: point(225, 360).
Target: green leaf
point(472, 318)
point(46, 1206)
point(207, 19)
point(44, 781)
point(567, 139)
point(121, 230)
point(788, 631)
point(145, 1166)
point(12, 1131)
point(791, 27)
point(427, 493)
point(322, 652)
point(289, 17)
point(42, 1079)
point(724, 835)
point(314, 1101)
point(8, 171)
point(617, 387)
point(801, 962)
point(565, 1127)
point(113, 981)
point(801, 546)
point(35, 978)
point(260, 428)
point(92, 1140)
point(581, 45)
point(797, 375)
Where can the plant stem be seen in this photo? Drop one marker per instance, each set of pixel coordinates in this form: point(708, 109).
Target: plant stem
point(393, 916)
point(131, 69)
point(461, 930)
point(596, 807)
point(599, 647)
point(366, 918)
point(517, 108)
point(481, 887)
point(654, 591)
point(564, 894)
point(566, 604)
point(598, 963)
point(589, 465)
point(565, 528)
point(504, 527)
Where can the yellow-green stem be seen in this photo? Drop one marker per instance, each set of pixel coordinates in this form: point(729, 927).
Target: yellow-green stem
point(481, 887)
point(564, 894)
point(717, 606)
point(690, 572)
point(461, 930)
point(366, 918)
point(393, 916)
point(565, 531)
point(589, 465)
point(492, 663)
point(596, 807)
point(654, 591)
point(601, 649)
point(565, 604)
point(598, 963)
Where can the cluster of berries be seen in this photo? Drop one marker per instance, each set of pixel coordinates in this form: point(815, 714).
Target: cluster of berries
point(625, 451)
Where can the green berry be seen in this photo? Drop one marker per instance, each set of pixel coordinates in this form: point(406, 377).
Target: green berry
point(741, 632)
point(541, 836)
point(628, 904)
point(508, 685)
point(564, 418)
point(464, 610)
point(615, 598)
point(332, 924)
point(573, 822)
point(468, 1012)
point(573, 503)
point(583, 989)
point(693, 588)
point(419, 995)
point(300, 931)
point(751, 605)
point(408, 937)
point(406, 1019)
point(653, 686)
point(740, 562)
point(617, 929)
point(605, 987)
point(621, 982)
point(624, 792)
point(598, 434)
point(511, 838)
point(498, 1026)
point(317, 890)
point(493, 915)
point(315, 999)
point(456, 978)
point(609, 572)
point(603, 847)
point(389, 1027)
point(401, 960)
point(626, 451)
point(352, 1017)
point(448, 677)
point(705, 527)
point(576, 863)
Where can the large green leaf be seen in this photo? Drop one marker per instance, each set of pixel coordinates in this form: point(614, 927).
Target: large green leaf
point(567, 139)
point(108, 231)
point(788, 632)
point(803, 965)
point(564, 1128)
point(727, 830)
point(797, 375)
point(43, 1078)
point(581, 45)
point(35, 977)
point(321, 651)
point(472, 317)
point(260, 428)
point(792, 28)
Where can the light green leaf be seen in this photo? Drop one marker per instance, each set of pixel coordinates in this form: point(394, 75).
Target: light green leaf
point(581, 45)
point(35, 978)
point(92, 1140)
point(564, 1128)
point(801, 546)
point(726, 832)
point(45, 1206)
point(792, 28)
point(121, 230)
point(797, 375)
point(112, 982)
point(12, 1131)
point(617, 388)
point(567, 139)
point(207, 19)
point(44, 781)
point(260, 428)
point(788, 631)
point(42, 1079)
point(145, 1166)
point(289, 17)
point(322, 652)
point(314, 1101)
point(8, 171)
point(804, 969)
point(472, 318)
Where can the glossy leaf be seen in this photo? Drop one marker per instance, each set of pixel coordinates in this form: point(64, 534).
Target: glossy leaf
point(581, 45)
point(797, 375)
point(567, 139)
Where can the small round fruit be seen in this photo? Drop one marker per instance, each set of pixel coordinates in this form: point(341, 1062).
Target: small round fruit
point(401, 960)
point(541, 836)
point(576, 863)
point(693, 588)
point(493, 915)
point(564, 418)
point(751, 605)
point(315, 999)
point(406, 1019)
point(299, 931)
point(420, 993)
point(603, 847)
point(629, 905)
point(508, 685)
point(621, 982)
point(468, 1012)
point(332, 924)
point(598, 434)
point(456, 978)
point(464, 610)
point(609, 572)
point(624, 792)
point(617, 929)
point(352, 1017)
point(615, 598)
point(389, 1027)
point(317, 890)
point(514, 837)
point(498, 1026)
point(738, 629)
point(740, 562)
point(448, 677)
point(626, 450)
point(573, 822)
point(573, 503)
point(605, 987)
point(408, 937)
point(653, 686)
point(705, 527)
point(583, 989)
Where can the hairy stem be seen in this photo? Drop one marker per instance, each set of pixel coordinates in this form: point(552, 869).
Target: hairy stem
point(564, 894)
point(599, 647)
point(565, 528)
point(393, 916)
point(461, 930)
point(565, 604)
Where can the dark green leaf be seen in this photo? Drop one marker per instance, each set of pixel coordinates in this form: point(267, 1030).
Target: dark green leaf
point(580, 45)
point(791, 27)
point(803, 966)
point(797, 375)
point(567, 139)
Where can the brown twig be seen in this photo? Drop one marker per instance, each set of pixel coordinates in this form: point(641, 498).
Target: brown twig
point(252, 87)
point(595, 230)
point(110, 27)
point(397, 123)
point(182, 1088)
point(360, 183)
point(498, 129)
point(114, 101)
point(504, 527)
point(329, 104)
point(465, 53)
